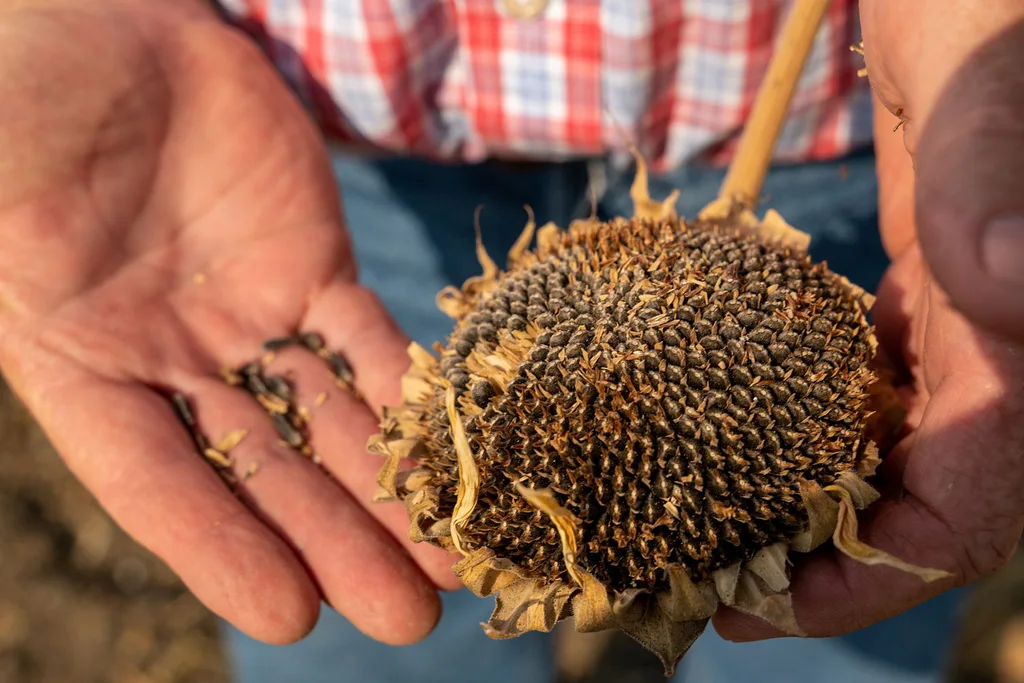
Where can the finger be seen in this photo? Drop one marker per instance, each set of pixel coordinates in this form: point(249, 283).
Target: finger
point(340, 425)
point(142, 467)
point(969, 204)
point(353, 319)
point(900, 300)
point(895, 184)
point(362, 571)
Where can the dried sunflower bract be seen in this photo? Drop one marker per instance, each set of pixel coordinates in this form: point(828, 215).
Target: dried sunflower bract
point(639, 420)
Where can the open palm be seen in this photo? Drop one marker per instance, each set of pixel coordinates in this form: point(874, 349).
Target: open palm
point(166, 206)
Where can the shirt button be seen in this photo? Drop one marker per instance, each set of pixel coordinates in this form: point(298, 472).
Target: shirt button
point(525, 9)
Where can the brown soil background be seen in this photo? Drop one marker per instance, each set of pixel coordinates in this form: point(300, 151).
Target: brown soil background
point(80, 602)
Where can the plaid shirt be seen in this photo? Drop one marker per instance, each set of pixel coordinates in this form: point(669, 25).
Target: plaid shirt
point(554, 79)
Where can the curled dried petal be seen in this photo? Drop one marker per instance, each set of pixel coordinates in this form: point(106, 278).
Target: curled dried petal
point(725, 583)
point(869, 461)
point(628, 605)
point(528, 605)
point(775, 229)
point(755, 597)
point(453, 303)
point(421, 358)
point(485, 574)
point(867, 299)
point(381, 495)
point(845, 539)
point(469, 476)
point(522, 243)
point(565, 524)
point(388, 472)
point(861, 492)
point(643, 205)
point(769, 564)
point(822, 512)
point(413, 480)
point(591, 608)
point(685, 600)
point(549, 237)
point(490, 268)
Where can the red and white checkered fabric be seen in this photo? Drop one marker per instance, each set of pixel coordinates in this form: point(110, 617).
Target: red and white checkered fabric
point(468, 79)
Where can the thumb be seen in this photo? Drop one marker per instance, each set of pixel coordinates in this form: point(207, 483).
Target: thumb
point(969, 200)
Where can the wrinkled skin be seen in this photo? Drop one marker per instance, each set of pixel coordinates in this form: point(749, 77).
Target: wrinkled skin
point(953, 485)
point(151, 144)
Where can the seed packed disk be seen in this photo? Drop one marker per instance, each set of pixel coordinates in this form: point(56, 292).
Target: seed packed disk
point(640, 419)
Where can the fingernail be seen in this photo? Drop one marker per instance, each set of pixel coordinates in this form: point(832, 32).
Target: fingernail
point(1002, 249)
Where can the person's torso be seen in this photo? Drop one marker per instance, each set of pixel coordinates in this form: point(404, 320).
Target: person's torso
point(552, 79)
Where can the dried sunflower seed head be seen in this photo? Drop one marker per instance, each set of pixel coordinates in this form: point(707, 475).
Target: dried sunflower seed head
point(638, 420)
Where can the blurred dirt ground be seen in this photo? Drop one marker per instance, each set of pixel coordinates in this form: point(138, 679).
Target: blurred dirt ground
point(81, 603)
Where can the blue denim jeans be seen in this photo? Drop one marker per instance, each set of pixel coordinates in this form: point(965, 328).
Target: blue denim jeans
point(412, 226)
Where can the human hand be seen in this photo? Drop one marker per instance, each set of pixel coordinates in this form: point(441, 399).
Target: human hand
point(149, 144)
point(952, 486)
